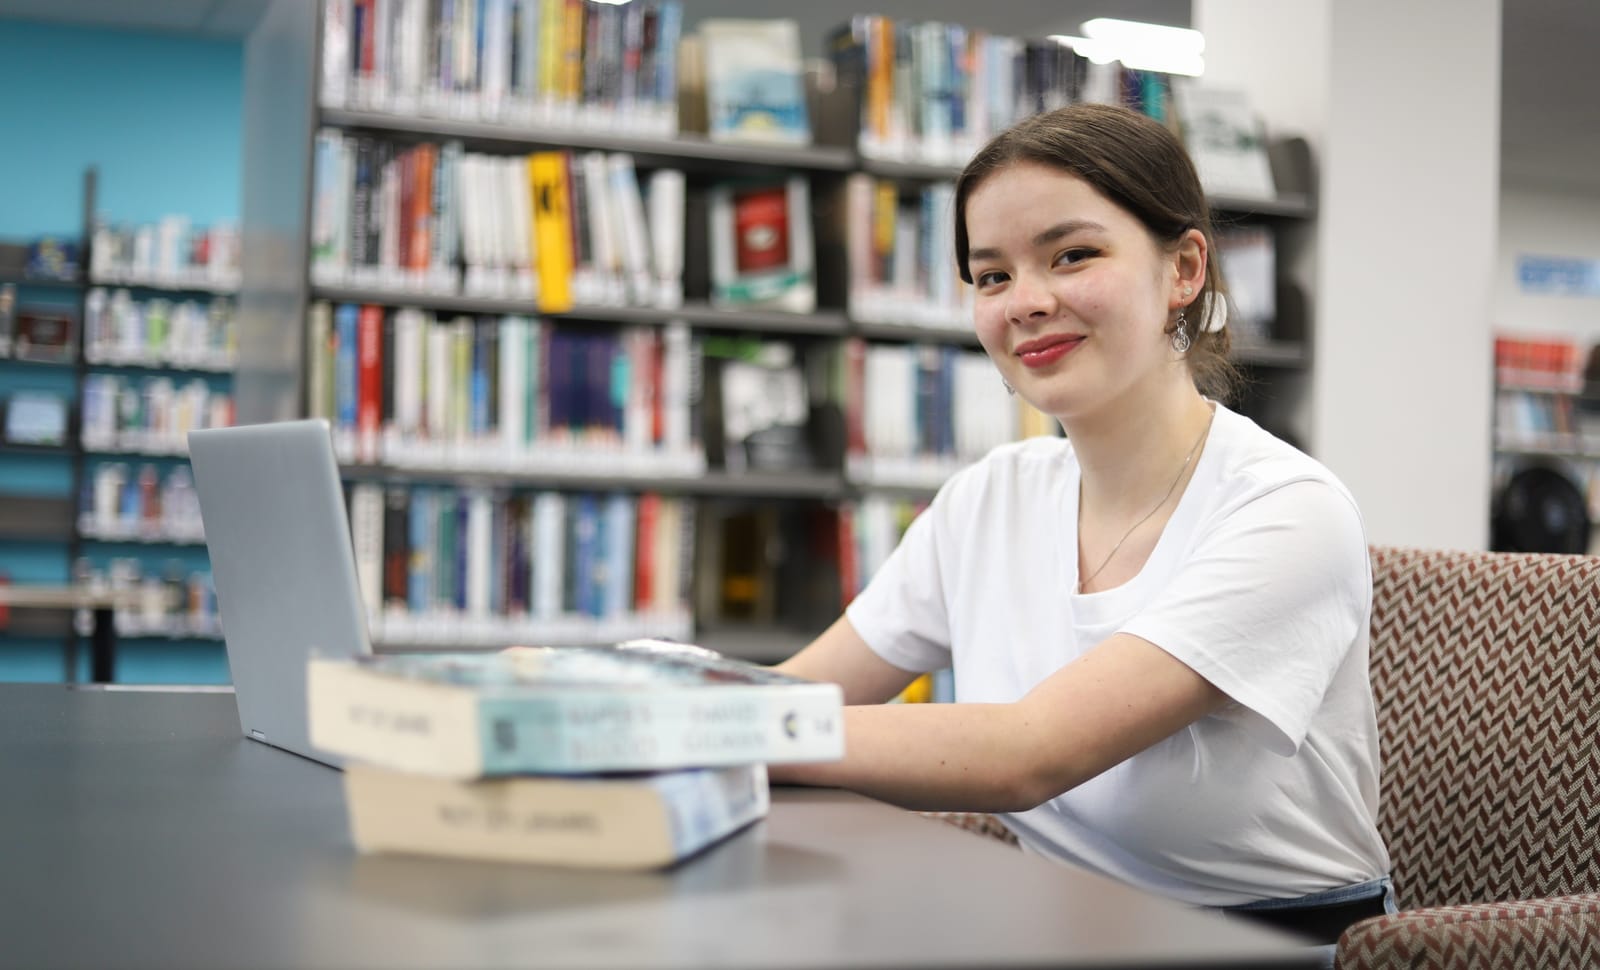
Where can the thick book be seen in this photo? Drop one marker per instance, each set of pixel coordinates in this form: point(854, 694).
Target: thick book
point(641, 821)
point(641, 706)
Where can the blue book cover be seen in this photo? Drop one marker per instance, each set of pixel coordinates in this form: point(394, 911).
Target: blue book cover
point(641, 706)
point(619, 545)
point(424, 519)
point(346, 381)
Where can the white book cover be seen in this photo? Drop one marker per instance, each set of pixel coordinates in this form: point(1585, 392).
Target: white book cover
point(638, 343)
point(479, 552)
point(406, 371)
point(604, 228)
point(513, 377)
point(549, 550)
point(366, 537)
point(761, 246)
point(635, 236)
point(389, 231)
point(466, 167)
point(437, 391)
point(755, 84)
point(1225, 139)
point(667, 189)
point(520, 206)
point(336, 26)
point(675, 387)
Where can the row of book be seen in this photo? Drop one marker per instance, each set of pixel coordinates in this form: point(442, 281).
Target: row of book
point(555, 63)
point(1553, 364)
point(558, 226)
point(169, 600)
point(464, 566)
point(634, 756)
point(915, 413)
point(404, 387)
point(172, 253)
point(120, 505)
point(933, 92)
point(152, 415)
point(184, 334)
point(900, 238)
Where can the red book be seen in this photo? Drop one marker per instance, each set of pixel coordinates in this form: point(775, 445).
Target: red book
point(855, 396)
point(848, 567)
point(761, 229)
point(644, 551)
point(369, 381)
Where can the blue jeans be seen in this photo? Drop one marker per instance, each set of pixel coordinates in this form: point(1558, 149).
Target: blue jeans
point(1372, 889)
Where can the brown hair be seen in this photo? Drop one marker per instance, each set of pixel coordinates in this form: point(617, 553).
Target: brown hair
point(1140, 166)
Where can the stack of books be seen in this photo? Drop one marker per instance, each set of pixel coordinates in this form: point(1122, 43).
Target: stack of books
point(634, 756)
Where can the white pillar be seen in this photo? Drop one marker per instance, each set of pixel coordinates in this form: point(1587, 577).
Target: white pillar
point(1406, 125)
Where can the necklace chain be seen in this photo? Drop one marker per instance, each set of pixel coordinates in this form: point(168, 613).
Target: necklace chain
point(1085, 581)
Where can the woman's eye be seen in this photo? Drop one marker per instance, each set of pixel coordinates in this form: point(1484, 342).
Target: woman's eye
point(1074, 256)
point(991, 278)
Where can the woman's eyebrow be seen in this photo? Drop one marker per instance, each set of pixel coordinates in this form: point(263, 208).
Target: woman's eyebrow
point(1054, 233)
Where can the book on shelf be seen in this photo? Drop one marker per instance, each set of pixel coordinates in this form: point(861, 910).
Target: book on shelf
point(624, 821)
point(561, 227)
point(1226, 140)
point(549, 63)
point(761, 245)
point(754, 81)
point(1248, 257)
point(44, 334)
point(638, 706)
point(443, 566)
point(915, 413)
point(508, 393)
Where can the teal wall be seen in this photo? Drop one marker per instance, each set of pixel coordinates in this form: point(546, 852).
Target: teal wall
point(159, 116)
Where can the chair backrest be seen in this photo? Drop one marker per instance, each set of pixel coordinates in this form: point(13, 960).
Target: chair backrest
point(1486, 672)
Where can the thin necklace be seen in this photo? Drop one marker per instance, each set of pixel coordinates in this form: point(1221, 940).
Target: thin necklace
point(1170, 489)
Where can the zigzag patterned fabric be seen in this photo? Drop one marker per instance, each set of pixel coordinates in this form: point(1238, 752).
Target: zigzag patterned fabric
point(1486, 671)
point(978, 823)
point(1559, 934)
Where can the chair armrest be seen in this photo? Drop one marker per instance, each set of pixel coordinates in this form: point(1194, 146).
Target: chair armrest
point(979, 823)
point(1555, 932)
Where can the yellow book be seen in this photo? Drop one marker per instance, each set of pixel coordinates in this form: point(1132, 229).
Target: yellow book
point(572, 52)
point(552, 229)
point(551, 37)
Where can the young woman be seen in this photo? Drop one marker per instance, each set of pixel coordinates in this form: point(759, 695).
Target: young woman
point(1158, 625)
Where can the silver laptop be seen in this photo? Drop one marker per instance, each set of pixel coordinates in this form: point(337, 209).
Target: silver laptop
point(285, 572)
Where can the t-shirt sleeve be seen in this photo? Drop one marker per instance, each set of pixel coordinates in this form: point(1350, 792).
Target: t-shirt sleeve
point(1267, 606)
point(902, 613)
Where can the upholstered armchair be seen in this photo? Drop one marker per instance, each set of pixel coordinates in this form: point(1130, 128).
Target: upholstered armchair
point(1486, 670)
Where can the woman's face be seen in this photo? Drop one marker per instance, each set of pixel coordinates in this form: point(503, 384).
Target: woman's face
point(1073, 294)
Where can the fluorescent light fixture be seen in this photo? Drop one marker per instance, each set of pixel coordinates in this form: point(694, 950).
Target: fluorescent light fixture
point(1146, 47)
point(1095, 51)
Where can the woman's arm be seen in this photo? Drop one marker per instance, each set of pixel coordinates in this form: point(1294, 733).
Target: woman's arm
point(841, 657)
point(1120, 698)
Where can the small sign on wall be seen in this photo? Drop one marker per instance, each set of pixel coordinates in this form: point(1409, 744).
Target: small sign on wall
point(1558, 275)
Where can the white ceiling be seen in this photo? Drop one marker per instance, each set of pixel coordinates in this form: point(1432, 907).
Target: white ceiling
point(1550, 104)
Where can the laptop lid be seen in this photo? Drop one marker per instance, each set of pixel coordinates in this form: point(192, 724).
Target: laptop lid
point(285, 573)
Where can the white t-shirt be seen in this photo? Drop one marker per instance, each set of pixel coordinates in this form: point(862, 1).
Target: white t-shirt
point(1260, 582)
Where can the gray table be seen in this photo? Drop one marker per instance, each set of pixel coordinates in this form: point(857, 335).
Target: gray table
point(140, 830)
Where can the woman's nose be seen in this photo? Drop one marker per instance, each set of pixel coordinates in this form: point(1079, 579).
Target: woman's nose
point(1029, 299)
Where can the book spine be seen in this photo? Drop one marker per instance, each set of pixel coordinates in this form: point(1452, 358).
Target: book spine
point(618, 823)
point(582, 730)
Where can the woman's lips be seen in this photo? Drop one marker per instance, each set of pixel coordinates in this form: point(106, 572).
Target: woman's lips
point(1046, 350)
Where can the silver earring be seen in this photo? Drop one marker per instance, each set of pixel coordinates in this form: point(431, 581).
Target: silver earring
point(1180, 336)
point(1007, 385)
